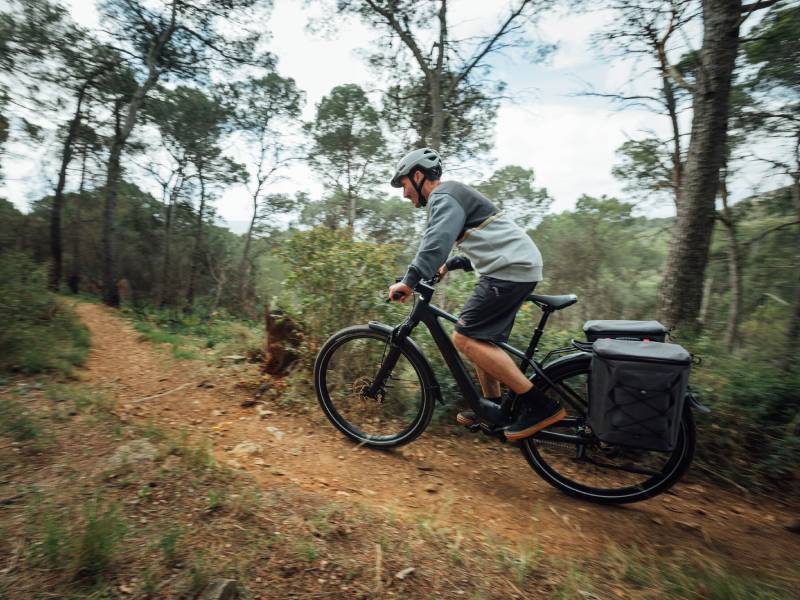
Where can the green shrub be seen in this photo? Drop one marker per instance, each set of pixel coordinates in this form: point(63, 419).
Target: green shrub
point(752, 435)
point(334, 281)
point(37, 331)
point(103, 529)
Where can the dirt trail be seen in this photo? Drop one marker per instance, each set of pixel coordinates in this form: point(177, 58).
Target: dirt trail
point(479, 487)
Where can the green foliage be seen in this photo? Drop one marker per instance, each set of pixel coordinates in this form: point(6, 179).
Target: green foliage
point(11, 221)
point(347, 148)
point(469, 115)
point(774, 46)
point(334, 281)
point(609, 258)
point(751, 437)
point(103, 530)
point(37, 331)
point(84, 400)
point(168, 544)
point(16, 422)
point(216, 500)
point(197, 334)
point(511, 189)
point(645, 166)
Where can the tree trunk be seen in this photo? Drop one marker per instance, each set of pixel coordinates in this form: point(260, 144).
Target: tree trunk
point(793, 331)
point(668, 91)
point(165, 293)
point(681, 288)
point(437, 111)
point(734, 270)
point(244, 266)
point(121, 134)
point(198, 241)
point(74, 278)
point(708, 285)
point(110, 293)
point(58, 198)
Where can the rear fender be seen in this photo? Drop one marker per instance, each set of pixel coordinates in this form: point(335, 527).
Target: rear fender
point(695, 403)
point(413, 348)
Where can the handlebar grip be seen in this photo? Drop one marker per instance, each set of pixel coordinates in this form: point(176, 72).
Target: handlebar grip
point(397, 295)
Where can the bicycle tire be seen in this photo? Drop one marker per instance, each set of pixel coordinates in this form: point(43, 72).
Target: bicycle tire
point(541, 456)
point(344, 342)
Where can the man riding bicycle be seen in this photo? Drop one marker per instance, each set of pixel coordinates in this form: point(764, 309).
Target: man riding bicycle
point(509, 265)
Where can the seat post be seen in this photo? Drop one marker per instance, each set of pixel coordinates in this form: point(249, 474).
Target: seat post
point(537, 334)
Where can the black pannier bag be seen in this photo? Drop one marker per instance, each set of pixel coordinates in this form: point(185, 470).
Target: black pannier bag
point(625, 330)
point(637, 391)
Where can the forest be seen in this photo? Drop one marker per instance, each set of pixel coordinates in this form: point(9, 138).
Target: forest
point(144, 124)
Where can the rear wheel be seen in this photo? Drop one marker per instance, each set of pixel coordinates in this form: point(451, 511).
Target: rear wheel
point(594, 470)
point(345, 370)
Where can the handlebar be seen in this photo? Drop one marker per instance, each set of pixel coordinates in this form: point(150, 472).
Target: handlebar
point(429, 282)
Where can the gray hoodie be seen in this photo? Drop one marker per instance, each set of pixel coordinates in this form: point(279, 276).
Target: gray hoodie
point(494, 244)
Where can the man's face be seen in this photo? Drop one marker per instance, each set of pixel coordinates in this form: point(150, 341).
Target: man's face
point(409, 191)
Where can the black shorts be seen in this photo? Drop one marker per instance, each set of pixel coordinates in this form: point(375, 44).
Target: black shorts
point(489, 313)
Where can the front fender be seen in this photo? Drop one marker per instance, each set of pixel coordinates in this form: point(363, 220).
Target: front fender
point(412, 347)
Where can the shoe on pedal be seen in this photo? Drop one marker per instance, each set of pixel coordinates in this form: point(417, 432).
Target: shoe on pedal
point(538, 412)
point(491, 412)
point(467, 418)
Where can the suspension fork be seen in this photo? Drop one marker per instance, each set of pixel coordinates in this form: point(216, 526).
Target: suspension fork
point(398, 335)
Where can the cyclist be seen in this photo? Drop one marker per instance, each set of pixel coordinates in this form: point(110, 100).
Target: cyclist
point(509, 265)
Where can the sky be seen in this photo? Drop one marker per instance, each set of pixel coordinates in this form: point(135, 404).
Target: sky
point(547, 124)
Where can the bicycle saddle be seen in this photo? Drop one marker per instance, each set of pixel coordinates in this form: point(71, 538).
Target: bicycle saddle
point(553, 302)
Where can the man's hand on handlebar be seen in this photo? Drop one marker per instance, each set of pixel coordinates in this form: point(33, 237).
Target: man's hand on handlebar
point(442, 272)
point(399, 292)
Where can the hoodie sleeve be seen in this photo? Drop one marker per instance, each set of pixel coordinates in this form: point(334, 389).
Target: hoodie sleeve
point(446, 220)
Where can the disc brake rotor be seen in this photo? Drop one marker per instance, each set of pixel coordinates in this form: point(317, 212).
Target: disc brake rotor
point(362, 384)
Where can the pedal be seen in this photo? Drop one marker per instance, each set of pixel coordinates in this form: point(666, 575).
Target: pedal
point(475, 427)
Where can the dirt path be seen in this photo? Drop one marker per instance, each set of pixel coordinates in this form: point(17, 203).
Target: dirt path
point(467, 483)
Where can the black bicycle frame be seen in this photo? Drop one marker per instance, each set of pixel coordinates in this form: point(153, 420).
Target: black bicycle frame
point(429, 315)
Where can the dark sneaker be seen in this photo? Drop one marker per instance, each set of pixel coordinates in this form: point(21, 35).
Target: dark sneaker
point(535, 415)
point(467, 418)
point(491, 412)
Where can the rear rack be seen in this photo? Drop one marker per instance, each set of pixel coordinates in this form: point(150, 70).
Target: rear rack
point(575, 345)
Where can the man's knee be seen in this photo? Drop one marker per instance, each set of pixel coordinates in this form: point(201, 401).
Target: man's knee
point(460, 340)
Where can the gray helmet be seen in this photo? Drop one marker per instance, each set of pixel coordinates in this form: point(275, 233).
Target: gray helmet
point(423, 158)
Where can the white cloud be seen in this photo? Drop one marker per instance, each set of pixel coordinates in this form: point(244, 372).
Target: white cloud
point(571, 148)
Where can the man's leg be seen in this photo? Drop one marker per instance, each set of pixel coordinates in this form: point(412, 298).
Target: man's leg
point(493, 361)
point(489, 385)
point(536, 412)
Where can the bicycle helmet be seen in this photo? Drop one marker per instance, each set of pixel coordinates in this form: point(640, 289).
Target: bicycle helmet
point(425, 160)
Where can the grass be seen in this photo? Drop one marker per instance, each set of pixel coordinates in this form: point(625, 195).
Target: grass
point(16, 422)
point(84, 400)
point(216, 500)
point(200, 335)
point(102, 531)
point(39, 332)
point(168, 544)
point(691, 577)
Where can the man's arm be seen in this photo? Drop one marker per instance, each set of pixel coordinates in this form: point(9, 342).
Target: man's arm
point(445, 222)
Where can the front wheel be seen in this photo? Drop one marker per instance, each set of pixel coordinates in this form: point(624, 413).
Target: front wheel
point(344, 373)
point(597, 471)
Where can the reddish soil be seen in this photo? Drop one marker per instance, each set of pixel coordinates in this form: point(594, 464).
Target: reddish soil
point(461, 480)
